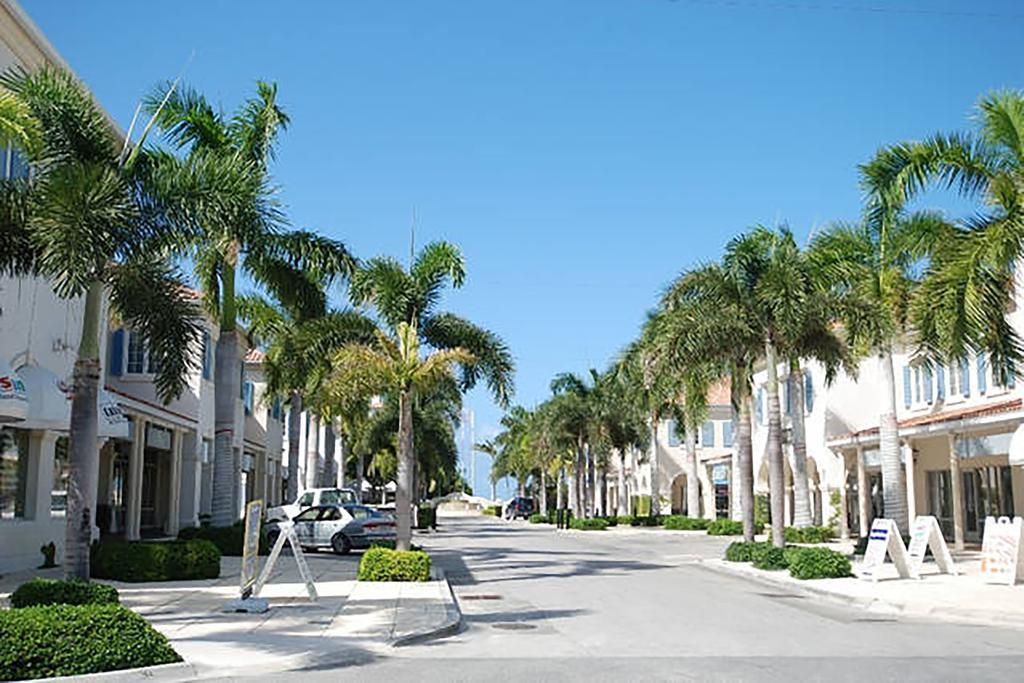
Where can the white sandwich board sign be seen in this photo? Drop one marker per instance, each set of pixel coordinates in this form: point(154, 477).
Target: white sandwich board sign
point(884, 539)
point(1000, 550)
point(250, 584)
point(287, 535)
point(924, 534)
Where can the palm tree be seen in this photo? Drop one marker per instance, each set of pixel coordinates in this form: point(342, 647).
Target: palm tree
point(393, 365)
point(256, 246)
point(873, 267)
point(99, 215)
point(572, 409)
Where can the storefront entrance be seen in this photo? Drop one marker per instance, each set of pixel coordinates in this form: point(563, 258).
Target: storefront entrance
point(987, 491)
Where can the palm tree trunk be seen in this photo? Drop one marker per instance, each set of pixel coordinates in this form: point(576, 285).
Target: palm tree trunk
point(744, 449)
point(312, 450)
point(623, 507)
point(360, 468)
point(692, 479)
point(404, 478)
point(655, 491)
point(84, 443)
point(591, 480)
point(801, 487)
point(224, 509)
point(294, 432)
point(559, 491)
point(543, 492)
point(776, 466)
point(339, 446)
point(894, 494)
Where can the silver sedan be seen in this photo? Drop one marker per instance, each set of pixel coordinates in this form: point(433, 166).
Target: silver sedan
point(340, 528)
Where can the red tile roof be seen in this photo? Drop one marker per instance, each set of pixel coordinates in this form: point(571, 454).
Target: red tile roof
point(951, 415)
point(255, 356)
point(720, 393)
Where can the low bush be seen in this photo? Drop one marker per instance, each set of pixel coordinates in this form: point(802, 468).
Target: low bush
point(810, 534)
point(767, 556)
point(73, 640)
point(384, 564)
point(136, 561)
point(54, 592)
point(741, 551)
point(426, 517)
point(595, 524)
point(493, 511)
point(625, 520)
point(612, 520)
point(537, 518)
point(230, 540)
point(725, 527)
point(817, 563)
point(645, 520)
point(680, 523)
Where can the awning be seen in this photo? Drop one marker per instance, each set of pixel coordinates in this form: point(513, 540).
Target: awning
point(49, 399)
point(114, 423)
point(13, 400)
point(1016, 449)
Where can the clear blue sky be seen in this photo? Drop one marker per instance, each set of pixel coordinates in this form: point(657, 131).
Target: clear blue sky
point(581, 152)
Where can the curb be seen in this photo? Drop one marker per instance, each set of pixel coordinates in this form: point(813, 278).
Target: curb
point(452, 624)
point(179, 671)
point(878, 605)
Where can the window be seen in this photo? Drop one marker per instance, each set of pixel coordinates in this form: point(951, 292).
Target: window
point(136, 353)
point(707, 434)
point(248, 393)
point(207, 356)
point(13, 472)
point(759, 410)
point(16, 165)
point(918, 385)
point(309, 515)
point(808, 392)
point(673, 433)
point(959, 380)
point(360, 512)
point(306, 500)
point(727, 434)
point(61, 472)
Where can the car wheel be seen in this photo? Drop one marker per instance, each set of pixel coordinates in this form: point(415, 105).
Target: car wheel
point(341, 544)
point(272, 538)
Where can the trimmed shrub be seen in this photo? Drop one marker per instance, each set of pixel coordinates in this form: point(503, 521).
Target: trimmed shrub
point(767, 556)
point(137, 561)
point(612, 520)
point(595, 524)
point(741, 551)
point(537, 518)
point(680, 523)
point(384, 564)
point(811, 534)
point(426, 517)
point(817, 563)
point(645, 520)
point(230, 540)
point(55, 592)
point(493, 511)
point(73, 640)
point(625, 520)
point(725, 527)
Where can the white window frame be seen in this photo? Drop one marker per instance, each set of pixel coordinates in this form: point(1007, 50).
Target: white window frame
point(954, 373)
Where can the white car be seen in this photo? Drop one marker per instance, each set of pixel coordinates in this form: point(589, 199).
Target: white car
point(311, 498)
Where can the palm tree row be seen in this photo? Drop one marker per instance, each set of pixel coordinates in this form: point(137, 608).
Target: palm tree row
point(111, 218)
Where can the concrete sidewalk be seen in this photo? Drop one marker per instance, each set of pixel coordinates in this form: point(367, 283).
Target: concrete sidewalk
point(964, 598)
point(350, 622)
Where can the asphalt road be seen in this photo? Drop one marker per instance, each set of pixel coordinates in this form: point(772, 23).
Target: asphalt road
point(546, 605)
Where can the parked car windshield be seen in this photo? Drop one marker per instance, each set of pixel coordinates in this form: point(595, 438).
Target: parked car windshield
point(309, 515)
point(337, 497)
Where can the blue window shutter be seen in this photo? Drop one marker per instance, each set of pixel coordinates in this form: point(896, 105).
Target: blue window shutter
point(982, 374)
point(808, 391)
point(965, 377)
point(116, 353)
point(906, 386)
point(759, 405)
point(928, 393)
point(940, 381)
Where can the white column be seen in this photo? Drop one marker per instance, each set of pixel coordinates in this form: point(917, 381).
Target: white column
point(41, 445)
point(844, 526)
point(133, 512)
point(863, 494)
point(907, 449)
point(735, 497)
point(174, 502)
point(956, 484)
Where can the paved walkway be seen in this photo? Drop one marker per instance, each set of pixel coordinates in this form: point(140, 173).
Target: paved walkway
point(349, 623)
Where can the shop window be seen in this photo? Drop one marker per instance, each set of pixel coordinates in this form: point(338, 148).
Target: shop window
point(248, 394)
point(61, 474)
point(727, 434)
point(13, 472)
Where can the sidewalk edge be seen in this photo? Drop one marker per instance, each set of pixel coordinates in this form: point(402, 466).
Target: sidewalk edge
point(452, 624)
point(178, 671)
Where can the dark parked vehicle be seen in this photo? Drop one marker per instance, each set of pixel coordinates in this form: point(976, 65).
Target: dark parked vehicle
point(519, 508)
point(341, 528)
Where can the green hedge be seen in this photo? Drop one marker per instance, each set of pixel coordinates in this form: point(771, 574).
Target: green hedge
point(426, 517)
point(741, 551)
point(55, 592)
point(725, 527)
point(818, 563)
point(384, 564)
point(645, 520)
point(680, 523)
point(230, 540)
point(493, 511)
point(611, 519)
point(73, 640)
point(595, 524)
point(624, 520)
point(136, 561)
point(810, 534)
point(767, 556)
point(537, 518)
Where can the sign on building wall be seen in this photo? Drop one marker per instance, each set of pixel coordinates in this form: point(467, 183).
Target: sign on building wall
point(884, 539)
point(1000, 550)
point(720, 474)
point(251, 547)
point(924, 534)
point(158, 437)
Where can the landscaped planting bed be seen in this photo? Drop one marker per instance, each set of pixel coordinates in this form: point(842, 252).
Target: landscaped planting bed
point(137, 561)
point(57, 592)
point(810, 534)
point(384, 564)
point(802, 563)
point(595, 524)
point(680, 523)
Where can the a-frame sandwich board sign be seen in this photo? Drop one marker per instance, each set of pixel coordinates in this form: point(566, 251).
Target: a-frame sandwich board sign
point(924, 534)
point(884, 539)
